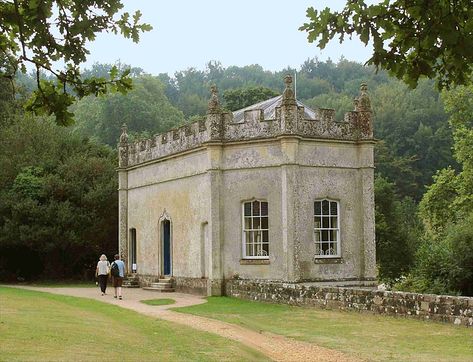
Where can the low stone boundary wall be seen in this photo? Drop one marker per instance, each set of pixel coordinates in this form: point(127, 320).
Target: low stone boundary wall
point(442, 308)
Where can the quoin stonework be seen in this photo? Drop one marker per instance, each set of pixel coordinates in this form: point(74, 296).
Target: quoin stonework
point(274, 192)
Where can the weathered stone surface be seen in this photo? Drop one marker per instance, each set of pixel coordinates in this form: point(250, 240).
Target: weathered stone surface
point(197, 177)
point(289, 118)
point(448, 309)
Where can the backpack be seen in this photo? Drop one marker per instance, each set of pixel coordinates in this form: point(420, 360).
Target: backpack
point(114, 270)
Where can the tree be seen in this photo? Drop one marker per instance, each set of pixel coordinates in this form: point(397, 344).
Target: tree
point(144, 109)
point(243, 97)
point(444, 261)
point(40, 33)
point(397, 231)
point(58, 201)
point(410, 39)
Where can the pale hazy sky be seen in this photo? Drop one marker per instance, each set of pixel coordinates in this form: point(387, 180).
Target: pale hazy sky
point(191, 33)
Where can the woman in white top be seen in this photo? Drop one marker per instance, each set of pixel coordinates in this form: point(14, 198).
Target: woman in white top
point(103, 268)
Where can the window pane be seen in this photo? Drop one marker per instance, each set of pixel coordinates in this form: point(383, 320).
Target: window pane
point(247, 223)
point(324, 235)
point(247, 237)
point(324, 248)
point(317, 208)
point(317, 236)
point(333, 208)
point(334, 246)
point(265, 236)
point(256, 208)
point(247, 208)
point(266, 249)
point(256, 223)
point(325, 222)
point(334, 222)
point(248, 250)
point(264, 223)
point(333, 235)
point(317, 222)
point(325, 206)
point(264, 209)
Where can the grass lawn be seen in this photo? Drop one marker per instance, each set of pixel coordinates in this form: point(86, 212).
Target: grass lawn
point(163, 301)
point(37, 326)
point(366, 336)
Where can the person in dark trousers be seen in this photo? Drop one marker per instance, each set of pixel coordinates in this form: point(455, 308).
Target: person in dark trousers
point(102, 270)
point(118, 280)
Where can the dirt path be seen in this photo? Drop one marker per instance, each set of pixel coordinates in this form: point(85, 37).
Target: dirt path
point(276, 347)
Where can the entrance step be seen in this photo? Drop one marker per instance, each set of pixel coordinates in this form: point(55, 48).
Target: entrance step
point(131, 281)
point(164, 285)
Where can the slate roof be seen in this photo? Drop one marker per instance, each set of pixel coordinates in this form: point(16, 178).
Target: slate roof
point(269, 110)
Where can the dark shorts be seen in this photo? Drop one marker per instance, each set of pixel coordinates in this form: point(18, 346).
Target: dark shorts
point(117, 281)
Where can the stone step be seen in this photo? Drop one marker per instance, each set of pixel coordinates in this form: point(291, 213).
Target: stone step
point(162, 290)
point(131, 281)
point(160, 285)
point(165, 280)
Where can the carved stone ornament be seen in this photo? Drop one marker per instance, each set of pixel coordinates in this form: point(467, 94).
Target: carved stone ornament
point(124, 135)
point(288, 97)
point(214, 104)
point(364, 103)
point(164, 216)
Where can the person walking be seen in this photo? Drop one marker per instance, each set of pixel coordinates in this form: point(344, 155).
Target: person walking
point(102, 270)
point(118, 273)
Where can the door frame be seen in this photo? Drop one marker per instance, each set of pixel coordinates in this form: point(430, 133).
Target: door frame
point(165, 217)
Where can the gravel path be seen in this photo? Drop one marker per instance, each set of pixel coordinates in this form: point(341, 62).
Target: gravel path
point(276, 347)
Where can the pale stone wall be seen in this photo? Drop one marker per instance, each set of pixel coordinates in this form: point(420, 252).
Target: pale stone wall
point(180, 188)
point(199, 175)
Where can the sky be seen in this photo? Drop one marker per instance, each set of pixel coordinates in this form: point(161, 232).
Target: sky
point(191, 33)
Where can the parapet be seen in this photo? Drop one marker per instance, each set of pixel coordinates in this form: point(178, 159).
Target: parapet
point(278, 116)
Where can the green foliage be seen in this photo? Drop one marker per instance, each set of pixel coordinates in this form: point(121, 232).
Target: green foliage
point(40, 33)
point(437, 207)
point(410, 39)
point(444, 265)
point(58, 201)
point(243, 97)
point(444, 262)
point(144, 109)
point(397, 231)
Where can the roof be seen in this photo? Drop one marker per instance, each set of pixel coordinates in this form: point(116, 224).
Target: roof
point(269, 110)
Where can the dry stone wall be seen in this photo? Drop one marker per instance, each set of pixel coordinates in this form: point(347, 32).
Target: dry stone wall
point(442, 308)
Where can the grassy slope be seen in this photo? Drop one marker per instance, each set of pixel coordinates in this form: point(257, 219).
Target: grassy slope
point(364, 335)
point(42, 326)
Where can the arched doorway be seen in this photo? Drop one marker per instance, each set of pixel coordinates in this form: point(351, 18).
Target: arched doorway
point(166, 248)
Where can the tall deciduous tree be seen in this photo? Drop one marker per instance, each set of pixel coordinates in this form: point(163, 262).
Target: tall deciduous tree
point(411, 39)
point(40, 33)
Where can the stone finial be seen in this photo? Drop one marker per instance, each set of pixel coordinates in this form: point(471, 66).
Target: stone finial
point(364, 103)
point(214, 104)
point(124, 135)
point(288, 94)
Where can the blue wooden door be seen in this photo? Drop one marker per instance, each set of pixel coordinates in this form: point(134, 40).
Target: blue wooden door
point(167, 247)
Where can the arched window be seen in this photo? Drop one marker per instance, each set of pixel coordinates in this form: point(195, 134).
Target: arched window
point(255, 230)
point(327, 228)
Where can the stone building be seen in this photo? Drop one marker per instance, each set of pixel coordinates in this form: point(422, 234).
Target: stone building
point(273, 192)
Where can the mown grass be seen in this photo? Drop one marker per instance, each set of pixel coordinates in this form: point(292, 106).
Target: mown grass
point(163, 301)
point(36, 326)
point(370, 337)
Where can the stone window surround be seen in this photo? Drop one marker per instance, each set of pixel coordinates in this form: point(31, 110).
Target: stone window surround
point(260, 229)
point(337, 228)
